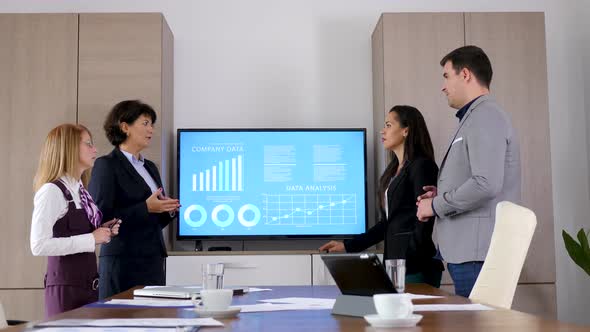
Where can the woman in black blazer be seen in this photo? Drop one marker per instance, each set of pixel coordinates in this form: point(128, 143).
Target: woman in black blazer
point(127, 186)
point(411, 168)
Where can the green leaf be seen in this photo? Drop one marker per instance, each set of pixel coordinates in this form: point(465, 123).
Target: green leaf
point(584, 242)
point(576, 251)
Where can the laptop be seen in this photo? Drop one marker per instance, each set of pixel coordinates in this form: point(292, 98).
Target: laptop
point(358, 274)
point(172, 292)
point(177, 292)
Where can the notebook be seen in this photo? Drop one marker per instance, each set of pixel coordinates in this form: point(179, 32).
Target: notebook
point(358, 274)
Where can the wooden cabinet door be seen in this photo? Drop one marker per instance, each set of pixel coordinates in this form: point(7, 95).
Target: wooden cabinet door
point(38, 66)
point(120, 58)
point(515, 44)
point(409, 48)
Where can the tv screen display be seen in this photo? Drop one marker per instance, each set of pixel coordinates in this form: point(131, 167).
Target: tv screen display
point(243, 183)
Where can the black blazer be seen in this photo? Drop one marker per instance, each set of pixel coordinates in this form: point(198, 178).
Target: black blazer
point(405, 236)
point(120, 192)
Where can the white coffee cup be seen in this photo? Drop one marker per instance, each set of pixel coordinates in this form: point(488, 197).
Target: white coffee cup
point(393, 305)
point(216, 299)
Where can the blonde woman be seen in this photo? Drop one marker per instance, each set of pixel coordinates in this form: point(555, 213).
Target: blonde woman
point(66, 222)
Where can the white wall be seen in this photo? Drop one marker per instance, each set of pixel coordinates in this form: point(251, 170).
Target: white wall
point(566, 41)
point(307, 63)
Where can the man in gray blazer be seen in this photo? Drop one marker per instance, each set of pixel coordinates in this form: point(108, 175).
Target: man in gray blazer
point(481, 168)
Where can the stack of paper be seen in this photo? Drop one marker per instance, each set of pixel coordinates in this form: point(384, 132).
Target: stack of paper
point(117, 329)
point(132, 322)
point(289, 303)
point(451, 307)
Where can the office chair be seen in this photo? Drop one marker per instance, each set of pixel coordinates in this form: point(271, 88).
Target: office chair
point(513, 232)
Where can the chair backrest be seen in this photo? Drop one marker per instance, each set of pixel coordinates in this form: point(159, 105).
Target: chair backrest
point(3, 323)
point(513, 232)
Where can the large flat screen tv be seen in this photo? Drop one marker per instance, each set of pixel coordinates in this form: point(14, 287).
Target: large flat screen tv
point(268, 183)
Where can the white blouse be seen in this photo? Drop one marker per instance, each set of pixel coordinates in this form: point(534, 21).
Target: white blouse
point(49, 205)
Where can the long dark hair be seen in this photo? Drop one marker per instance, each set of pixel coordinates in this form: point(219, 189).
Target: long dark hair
point(417, 144)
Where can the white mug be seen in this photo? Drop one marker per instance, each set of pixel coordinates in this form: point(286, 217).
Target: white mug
point(215, 299)
point(393, 305)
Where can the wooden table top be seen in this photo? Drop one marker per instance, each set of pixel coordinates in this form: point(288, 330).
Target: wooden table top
point(323, 320)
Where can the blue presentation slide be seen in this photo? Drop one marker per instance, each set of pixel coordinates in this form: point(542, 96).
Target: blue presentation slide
point(261, 182)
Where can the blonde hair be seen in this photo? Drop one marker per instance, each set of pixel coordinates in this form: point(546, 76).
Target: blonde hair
point(60, 155)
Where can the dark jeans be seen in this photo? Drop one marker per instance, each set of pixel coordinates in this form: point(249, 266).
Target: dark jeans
point(464, 276)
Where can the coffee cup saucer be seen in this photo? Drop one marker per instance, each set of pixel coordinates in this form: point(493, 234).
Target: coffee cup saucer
point(229, 312)
point(378, 321)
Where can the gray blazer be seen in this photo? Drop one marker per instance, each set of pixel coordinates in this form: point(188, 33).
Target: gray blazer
point(481, 168)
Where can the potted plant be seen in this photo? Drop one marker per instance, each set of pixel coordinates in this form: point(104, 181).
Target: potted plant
point(579, 252)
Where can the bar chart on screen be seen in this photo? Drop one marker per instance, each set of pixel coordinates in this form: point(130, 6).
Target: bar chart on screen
point(226, 175)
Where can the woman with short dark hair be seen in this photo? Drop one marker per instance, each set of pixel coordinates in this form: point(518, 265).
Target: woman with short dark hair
point(127, 186)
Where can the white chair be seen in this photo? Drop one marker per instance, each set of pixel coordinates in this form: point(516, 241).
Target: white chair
point(3, 322)
point(501, 269)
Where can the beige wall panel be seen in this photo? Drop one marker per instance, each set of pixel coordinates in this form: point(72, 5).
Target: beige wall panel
point(414, 43)
point(120, 58)
point(37, 92)
point(515, 43)
point(23, 304)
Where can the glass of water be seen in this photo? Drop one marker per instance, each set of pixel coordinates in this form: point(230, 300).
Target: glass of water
point(212, 275)
point(396, 270)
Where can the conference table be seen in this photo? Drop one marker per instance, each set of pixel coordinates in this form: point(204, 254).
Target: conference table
point(322, 320)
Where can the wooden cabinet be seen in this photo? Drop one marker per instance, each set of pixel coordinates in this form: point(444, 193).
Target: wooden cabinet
point(38, 64)
point(21, 304)
point(59, 68)
point(515, 43)
point(407, 49)
point(127, 56)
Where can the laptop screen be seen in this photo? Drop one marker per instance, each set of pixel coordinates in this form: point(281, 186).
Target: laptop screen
point(358, 274)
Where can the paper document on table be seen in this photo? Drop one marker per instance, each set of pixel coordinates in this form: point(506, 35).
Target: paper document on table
point(148, 287)
point(112, 329)
point(142, 301)
point(133, 322)
point(263, 307)
point(304, 301)
point(422, 296)
point(451, 307)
